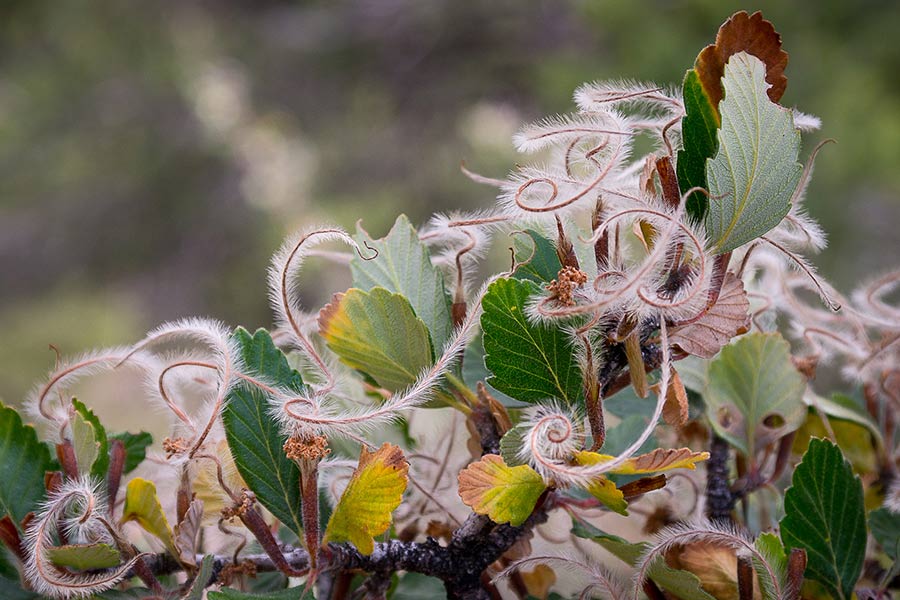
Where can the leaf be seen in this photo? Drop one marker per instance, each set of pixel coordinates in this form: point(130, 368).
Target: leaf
point(885, 527)
point(755, 172)
point(415, 586)
point(374, 492)
point(503, 493)
point(682, 584)
point(255, 438)
point(606, 492)
point(510, 444)
point(675, 409)
point(743, 33)
point(403, 266)
point(142, 505)
point(285, 594)
point(539, 260)
point(187, 532)
point(23, 460)
point(85, 556)
point(90, 425)
point(201, 579)
point(12, 590)
point(538, 581)
point(727, 318)
point(715, 567)
point(661, 459)
point(699, 140)
point(136, 445)
point(855, 441)
point(824, 515)
point(378, 333)
point(754, 395)
point(530, 362)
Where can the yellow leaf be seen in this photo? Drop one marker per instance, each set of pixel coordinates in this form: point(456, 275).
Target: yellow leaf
point(206, 485)
point(661, 459)
point(142, 505)
point(505, 494)
point(602, 488)
point(374, 492)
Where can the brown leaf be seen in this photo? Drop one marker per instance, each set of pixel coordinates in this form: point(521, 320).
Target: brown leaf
point(675, 410)
point(716, 566)
point(743, 33)
point(728, 317)
point(538, 581)
point(186, 533)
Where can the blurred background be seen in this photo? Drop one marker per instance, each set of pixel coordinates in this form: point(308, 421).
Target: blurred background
point(154, 154)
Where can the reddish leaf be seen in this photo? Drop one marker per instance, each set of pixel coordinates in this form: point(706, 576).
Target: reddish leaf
point(728, 317)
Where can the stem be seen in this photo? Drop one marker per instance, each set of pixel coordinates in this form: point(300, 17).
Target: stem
point(309, 508)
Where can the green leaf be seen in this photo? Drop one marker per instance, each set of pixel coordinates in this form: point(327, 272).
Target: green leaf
point(755, 172)
point(700, 141)
point(85, 556)
point(754, 395)
point(529, 362)
point(540, 263)
point(503, 493)
point(403, 266)
point(23, 460)
point(378, 333)
point(682, 584)
point(99, 466)
point(510, 444)
point(824, 515)
point(201, 579)
point(136, 445)
point(415, 586)
point(285, 594)
point(885, 527)
point(12, 590)
point(254, 437)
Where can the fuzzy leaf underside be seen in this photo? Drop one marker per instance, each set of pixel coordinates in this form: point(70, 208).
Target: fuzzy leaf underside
point(254, 437)
point(378, 333)
point(530, 362)
point(755, 171)
point(85, 556)
point(825, 515)
point(23, 461)
point(404, 266)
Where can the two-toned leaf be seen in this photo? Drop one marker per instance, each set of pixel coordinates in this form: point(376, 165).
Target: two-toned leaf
point(824, 514)
point(529, 361)
point(142, 505)
point(755, 172)
point(661, 459)
point(699, 133)
point(754, 395)
point(23, 460)
point(503, 493)
point(85, 556)
point(403, 266)
point(375, 490)
point(378, 333)
point(91, 443)
point(255, 438)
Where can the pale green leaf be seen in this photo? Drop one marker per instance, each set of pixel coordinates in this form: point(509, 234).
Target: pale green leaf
point(885, 526)
point(254, 437)
point(84, 442)
point(85, 556)
point(378, 333)
point(99, 466)
point(824, 515)
point(23, 461)
point(755, 171)
point(530, 362)
point(201, 579)
point(754, 395)
point(403, 266)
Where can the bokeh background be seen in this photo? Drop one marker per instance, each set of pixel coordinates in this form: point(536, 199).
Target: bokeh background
point(153, 154)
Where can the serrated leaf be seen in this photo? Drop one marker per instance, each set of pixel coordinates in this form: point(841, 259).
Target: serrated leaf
point(285, 594)
point(23, 461)
point(503, 493)
point(85, 556)
point(142, 505)
point(727, 318)
point(201, 579)
point(885, 527)
point(374, 492)
point(378, 333)
point(538, 258)
point(824, 515)
point(255, 439)
point(754, 395)
point(755, 171)
point(682, 584)
point(510, 445)
point(661, 459)
point(530, 362)
point(403, 266)
point(136, 445)
point(100, 463)
point(700, 141)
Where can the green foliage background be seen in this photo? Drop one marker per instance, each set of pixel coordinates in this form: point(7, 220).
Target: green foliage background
point(153, 154)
